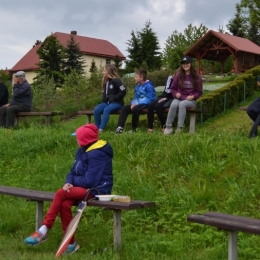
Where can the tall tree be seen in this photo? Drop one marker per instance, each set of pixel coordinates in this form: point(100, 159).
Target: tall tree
point(37, 42)
point(51, 55)
point(246, 23)
point(143, 47)
point(177, 43)
point(117, 61)
point(93, 66)
point(74, 58)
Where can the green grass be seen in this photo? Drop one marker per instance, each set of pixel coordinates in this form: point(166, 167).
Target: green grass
point(216, 169)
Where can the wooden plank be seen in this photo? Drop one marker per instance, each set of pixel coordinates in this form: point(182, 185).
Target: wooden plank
point(226, 223)
point(39, 113)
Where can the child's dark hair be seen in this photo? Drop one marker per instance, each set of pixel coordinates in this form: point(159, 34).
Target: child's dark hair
point(142, 73)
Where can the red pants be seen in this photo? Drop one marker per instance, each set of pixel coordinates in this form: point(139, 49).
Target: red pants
point(62, 204)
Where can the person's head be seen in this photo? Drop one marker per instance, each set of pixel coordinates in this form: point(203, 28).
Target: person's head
point(109, 72)
point(86, 134)
point(140, 76)
point(186, 64)
point(258, 81)
point(19, 77)
point(188, 69)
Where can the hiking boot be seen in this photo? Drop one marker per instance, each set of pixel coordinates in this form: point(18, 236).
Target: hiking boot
point(119, 130)
point(71, 248)
point(167, 131)
point(35, 239)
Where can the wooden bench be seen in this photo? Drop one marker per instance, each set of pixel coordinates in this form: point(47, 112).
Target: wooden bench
point(40, 196)
point(193, 112)
point(48, 115)
point(230, 223)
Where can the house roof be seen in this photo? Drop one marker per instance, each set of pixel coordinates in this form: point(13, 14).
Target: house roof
point(88, 46)
point(218, 46)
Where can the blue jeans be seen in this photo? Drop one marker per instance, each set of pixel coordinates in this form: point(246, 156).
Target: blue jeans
point(105, 110)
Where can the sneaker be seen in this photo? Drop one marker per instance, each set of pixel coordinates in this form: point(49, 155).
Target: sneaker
point(149, 130)
point(132, 131)
point(119, 130)
point(35, 239)
point(167, 131)
point(100, 130)
point(178, 130)
point(71, 248)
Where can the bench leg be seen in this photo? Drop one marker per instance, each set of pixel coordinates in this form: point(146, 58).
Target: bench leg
point(232, 245)
point(88, 119)
point(16, 120)
point(192, 123)
point(39, 214)
point(47, 121)
point(117, 229)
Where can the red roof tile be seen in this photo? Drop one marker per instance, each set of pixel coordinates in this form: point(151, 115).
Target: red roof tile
point(88, 46)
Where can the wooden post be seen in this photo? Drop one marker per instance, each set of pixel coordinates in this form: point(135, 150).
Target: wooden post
point(88, 119)
point(117, 229)
point(192, 123)
point(39, 214)
point(232, 245)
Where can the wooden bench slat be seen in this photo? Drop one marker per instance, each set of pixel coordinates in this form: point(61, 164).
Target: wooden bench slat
point(39, 113)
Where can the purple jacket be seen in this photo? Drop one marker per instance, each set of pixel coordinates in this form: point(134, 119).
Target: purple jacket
point(188, 88)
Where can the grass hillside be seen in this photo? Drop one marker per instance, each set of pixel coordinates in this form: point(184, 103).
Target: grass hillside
point(216, 169)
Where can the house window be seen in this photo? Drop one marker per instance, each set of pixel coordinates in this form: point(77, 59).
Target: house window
point(108, 61)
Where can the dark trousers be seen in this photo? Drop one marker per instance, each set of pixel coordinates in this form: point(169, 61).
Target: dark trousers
point(254, 109)
point(158, 107)
point(126, 110)
point(7, 114)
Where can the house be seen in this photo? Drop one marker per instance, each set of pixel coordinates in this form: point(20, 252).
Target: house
point(217, 46)
point(101, 51)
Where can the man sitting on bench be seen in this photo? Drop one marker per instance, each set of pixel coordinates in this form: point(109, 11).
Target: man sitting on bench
point(21, 100)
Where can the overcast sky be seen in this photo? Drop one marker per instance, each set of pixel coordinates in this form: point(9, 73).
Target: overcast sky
point(25, 21)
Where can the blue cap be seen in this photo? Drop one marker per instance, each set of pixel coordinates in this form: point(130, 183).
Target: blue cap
point(73, 134)
point(258, 79)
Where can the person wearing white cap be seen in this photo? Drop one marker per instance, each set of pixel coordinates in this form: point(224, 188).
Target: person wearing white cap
point(21, 100)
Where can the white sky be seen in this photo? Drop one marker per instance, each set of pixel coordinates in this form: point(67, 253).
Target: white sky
point(25, 21)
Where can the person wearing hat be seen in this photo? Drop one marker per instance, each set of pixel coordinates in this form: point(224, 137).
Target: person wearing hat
point(254, 109)
point(186, 88)
point(21, 100)
point(92, 168)
point(3, 93)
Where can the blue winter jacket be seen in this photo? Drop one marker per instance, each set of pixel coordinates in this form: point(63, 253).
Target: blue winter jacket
point(144, 94)
point(93, 168)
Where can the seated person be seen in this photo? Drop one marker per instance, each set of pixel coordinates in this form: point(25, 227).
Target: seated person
point(21, 100)
point(3, 93)
point(186, 88)
point(159, 104)
point(92, 168)
point(113, 92)
point(254, 109)
point(144, 94)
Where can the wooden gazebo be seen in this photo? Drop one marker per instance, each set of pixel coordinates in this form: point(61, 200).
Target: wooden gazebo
point(216, 46)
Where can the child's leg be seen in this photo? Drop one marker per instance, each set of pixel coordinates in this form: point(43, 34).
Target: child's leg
point(183, 105)
point(135, 116)
point(98, 111)
point(113, 107)
point(172, 112)
point(125, 111)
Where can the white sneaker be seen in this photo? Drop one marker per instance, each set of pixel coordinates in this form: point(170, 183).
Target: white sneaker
point(167, 131)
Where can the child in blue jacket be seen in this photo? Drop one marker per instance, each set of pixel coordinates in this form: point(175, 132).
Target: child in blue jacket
point(143, 96)
point(92, 168)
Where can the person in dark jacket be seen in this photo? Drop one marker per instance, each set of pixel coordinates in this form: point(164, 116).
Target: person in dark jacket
point(92, 168)
point(113, 92)
point(161, 102)
point(21, 100)
point(254, 109)
point(3, 93)
point(144, 94)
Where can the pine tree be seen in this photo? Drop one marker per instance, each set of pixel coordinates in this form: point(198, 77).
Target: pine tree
point(93, 66)
point(74, 58)
point(117, 61)
point(143, 47)
point(51, 55)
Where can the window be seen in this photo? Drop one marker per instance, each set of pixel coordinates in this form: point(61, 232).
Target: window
point(108, 61)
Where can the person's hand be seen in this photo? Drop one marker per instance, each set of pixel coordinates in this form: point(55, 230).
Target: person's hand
point(190, 97)
point(6, 105)
point(161, 100)
point(67, 187)
point(178, 95)
point(132, 106)
point(16, 80)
